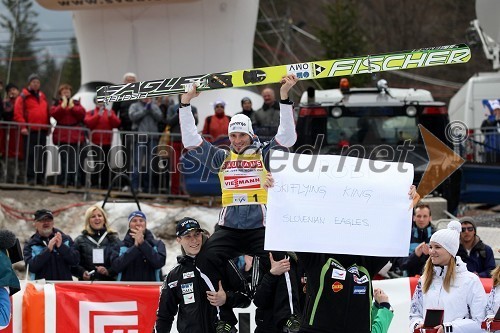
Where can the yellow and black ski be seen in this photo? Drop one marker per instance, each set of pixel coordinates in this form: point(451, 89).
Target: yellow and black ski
point(432, 56)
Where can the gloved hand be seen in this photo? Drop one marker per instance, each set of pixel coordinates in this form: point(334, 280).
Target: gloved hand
point(64, 103)
point(71, 104)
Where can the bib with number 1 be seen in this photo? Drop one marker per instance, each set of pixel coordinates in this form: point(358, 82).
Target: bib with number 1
point(242, 178)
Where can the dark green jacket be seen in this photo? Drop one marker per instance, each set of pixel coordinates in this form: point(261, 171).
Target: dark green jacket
point(8, 277)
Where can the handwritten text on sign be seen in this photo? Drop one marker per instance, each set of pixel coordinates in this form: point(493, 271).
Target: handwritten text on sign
point(338, 204)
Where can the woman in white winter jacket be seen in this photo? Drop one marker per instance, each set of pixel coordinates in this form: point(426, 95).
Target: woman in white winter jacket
point(494, 298)
point(447, 284)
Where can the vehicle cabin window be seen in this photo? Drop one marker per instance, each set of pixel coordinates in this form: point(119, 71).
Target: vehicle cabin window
point(372, 130)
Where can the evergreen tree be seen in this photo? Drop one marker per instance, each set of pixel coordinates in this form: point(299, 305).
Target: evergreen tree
point(19, 20)
point(343, 37)
point(49, 76)
point(71, 71)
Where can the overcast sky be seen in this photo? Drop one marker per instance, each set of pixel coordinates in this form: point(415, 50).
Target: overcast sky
point(56, 30)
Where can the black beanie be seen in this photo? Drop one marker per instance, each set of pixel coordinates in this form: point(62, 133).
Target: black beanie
point(10, 86)
point(468, 219)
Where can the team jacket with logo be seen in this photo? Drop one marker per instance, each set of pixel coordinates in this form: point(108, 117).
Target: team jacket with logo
point(50, 265)
point(246, 211)
point(339, 292)
point(184, 291)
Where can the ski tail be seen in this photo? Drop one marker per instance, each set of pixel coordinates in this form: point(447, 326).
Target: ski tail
point(418, 58)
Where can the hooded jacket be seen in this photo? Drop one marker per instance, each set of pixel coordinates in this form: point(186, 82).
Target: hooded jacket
point(10, 282)
point(8, 277)
point(480, 260)
point(50, 265)
point(32, 107)
point(139, 263)
point(466, 296)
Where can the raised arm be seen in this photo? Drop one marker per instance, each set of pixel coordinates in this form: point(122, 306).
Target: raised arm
point(286, 135)
point(190, 136)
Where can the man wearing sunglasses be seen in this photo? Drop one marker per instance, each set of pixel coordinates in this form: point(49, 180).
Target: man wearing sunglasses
point(477, 255)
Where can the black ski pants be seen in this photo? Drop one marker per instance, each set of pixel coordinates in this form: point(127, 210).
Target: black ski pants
point(228, 243)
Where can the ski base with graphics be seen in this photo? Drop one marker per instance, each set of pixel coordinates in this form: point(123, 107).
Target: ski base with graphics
point(426, 57)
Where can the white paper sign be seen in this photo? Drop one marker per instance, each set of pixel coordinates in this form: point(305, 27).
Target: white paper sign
point(338, 204)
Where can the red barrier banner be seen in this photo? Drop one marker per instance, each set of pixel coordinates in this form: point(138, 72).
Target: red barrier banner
point(128, 308)
point(105, 308)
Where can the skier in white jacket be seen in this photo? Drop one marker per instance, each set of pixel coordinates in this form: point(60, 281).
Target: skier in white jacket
point(447, 284)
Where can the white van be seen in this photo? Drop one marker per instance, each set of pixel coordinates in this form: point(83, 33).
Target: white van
point(467, 104)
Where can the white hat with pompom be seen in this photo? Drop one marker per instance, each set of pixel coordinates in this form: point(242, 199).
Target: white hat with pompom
point(449, 238)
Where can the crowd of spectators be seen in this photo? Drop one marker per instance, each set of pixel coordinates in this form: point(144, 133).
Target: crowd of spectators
point(97, 253)
point(59, 143)
point(442, 258)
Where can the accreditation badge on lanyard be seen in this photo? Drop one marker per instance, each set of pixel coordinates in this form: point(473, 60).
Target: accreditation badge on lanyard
point(98, 253)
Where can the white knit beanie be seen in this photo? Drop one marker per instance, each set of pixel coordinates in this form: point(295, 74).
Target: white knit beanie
point(240, 123)
point(449, 238)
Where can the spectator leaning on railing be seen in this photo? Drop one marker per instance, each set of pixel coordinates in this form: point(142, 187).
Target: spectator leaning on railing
point(491, 130)
point(32, 111)
point(12, 151)
point(101, 121)
point(69, 136)
point(145, 116)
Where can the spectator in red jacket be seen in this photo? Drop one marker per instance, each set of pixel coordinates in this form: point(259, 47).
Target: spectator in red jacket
point(216, 126)
point(69, 136)
point(32, 112)
point(101, 122)
point(13, 150)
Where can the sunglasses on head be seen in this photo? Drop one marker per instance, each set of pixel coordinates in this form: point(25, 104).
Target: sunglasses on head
point(464, 229)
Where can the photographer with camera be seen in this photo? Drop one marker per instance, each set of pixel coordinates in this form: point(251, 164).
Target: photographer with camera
point(9, 283)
